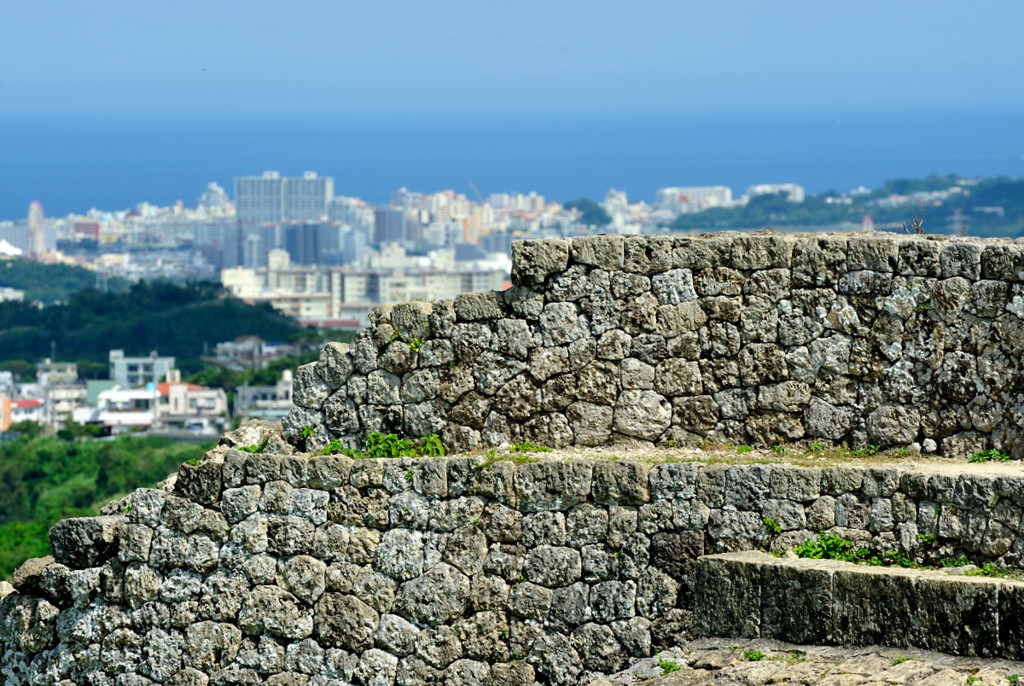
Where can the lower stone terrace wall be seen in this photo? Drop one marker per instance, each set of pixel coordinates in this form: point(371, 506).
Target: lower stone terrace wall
point(864, 339)
point(823, 602)
point(323, 571)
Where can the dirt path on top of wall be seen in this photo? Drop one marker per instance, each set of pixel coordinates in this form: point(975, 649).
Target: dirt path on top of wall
point(796, 454)
point(736, 662)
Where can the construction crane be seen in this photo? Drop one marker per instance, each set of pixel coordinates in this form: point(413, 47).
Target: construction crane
point(479, 198)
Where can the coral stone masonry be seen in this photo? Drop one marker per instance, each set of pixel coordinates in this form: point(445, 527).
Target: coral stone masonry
point(289, 568)
point(271, 562)
point(862, 339)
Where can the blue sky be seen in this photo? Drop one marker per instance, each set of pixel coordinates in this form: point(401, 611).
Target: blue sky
point(270, 57)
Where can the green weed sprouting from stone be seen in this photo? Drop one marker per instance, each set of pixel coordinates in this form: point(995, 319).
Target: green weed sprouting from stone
point(771, 526)
point(816, 447)
point(127, 509)
point(416, 345)
point(394, 336)
point(961, 561)
point(619, 557)
point(1014, 679)
point(927, 539)
point(744, 449)
point(409, 476)
point(432, 446)
point(900, 659)
point(995, 571)
point(831, 547)
point(668, 666)
point(528, 447)
point(307, 431)
point(378, 445)
point(779, 449)
point(388, 445)
point(894, 558)
point(753, 655)
point(194, 462)
point(990, 455)
point(870, 450)
point(255, 447)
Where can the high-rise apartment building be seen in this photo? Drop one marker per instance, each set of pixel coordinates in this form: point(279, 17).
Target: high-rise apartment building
point(271, 198)
point(389, 225)
point(793, 192)
point(683, 199)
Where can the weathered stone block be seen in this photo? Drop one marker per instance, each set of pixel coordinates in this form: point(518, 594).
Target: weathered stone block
point(875, 605)
point(727, 598)
point(83, 542)
point(551, 485)
point(533, 261)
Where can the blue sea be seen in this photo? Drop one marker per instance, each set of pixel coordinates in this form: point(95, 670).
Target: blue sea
point(72, 164)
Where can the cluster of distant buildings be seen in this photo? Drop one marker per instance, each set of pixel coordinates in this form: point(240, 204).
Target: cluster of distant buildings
point(146, 393)
point(329, 259)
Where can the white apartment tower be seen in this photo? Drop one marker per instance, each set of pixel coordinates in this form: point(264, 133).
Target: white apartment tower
point(271, 198)
point(684, 199)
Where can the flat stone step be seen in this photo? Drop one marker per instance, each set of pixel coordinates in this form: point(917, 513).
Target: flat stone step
point(824, 602)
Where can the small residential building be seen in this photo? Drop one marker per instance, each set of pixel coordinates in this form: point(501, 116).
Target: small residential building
point(64, 399)
point(268, 402)
point(132, 372)
point(121, 410)
point(179, 402)
point(55, 373)
point(248, 352)
point(24, 410)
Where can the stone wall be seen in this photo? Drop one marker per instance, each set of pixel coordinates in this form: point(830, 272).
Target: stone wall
point(863, 339)
point(323, 571)
point(823, 602)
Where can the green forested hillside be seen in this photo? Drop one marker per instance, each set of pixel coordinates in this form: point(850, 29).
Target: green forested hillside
point(175, 320)
point(43, 479)
point(45, 283)
point(976, 206)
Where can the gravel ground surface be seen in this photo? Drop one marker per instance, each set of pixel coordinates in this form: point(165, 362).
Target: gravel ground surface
point(735, 662)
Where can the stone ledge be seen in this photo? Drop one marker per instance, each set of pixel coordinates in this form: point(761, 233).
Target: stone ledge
point(825, 602)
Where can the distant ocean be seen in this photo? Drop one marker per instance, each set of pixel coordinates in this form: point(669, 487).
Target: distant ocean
point(73, 164)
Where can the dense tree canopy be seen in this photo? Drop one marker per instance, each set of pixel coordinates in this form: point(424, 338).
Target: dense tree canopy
point(175, 320)
point(45, 283)
point(43, 479)
point(592, 214)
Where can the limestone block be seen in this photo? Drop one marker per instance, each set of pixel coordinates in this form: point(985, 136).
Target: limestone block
point(796, 602)
point(277, 612)
point(480, 305)
point(83, 542)
point(751, 251)
point(438, 596)
point(642, 414)
point(533, 261)
point(309, 390)
point(606, 252)
point(620, 483)
point(335, 364)
point(551, 486)
point(875, 605)
point(727, 598)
